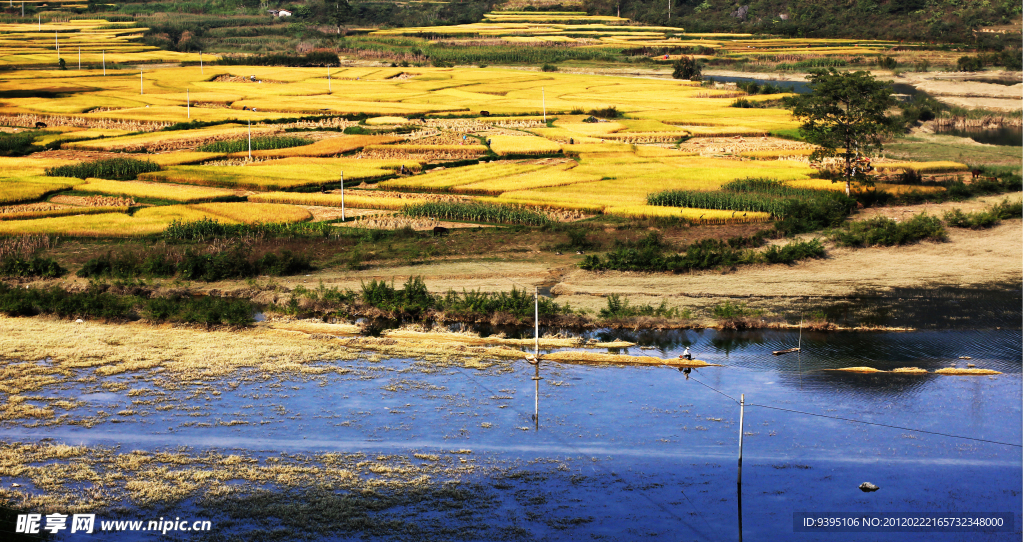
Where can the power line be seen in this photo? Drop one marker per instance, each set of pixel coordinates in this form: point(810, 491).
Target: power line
point(641, 492)
point(887, 425)
point(860, 421)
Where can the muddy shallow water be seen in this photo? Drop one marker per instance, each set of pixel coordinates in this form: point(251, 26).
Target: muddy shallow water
point(616, 452)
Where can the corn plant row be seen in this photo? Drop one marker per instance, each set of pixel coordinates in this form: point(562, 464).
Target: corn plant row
point(732, 201)
point(265, 143)
point(477, 212)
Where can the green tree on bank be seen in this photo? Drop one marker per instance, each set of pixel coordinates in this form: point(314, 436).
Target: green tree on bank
point(846, 115)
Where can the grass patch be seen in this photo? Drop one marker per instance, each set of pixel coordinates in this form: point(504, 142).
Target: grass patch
point(651, 254)
point(96, 302)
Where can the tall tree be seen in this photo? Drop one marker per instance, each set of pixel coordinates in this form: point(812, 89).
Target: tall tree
point(846, 115)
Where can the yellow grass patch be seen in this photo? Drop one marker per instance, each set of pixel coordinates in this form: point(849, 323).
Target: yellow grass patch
point(859, 370)
point(593, 357)
point(966, 372)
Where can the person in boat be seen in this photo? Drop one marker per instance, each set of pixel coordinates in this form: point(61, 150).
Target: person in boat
point(686, 354)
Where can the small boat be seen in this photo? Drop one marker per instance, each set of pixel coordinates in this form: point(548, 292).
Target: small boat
point(531, 359)
point(800, 342)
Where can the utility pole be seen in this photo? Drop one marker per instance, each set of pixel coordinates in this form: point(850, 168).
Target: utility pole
point(536, 321)
point(342, 196)
point(200, 62)
point(328, 78)
point(104, 56)
point(250, 140)
point(140, 82)
point(188, 104)
point(79, 58)
point(739, 463)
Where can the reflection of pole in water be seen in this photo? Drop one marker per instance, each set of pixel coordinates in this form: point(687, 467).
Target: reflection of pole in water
point(537, 397)
point(739, 475)
point(739, 509)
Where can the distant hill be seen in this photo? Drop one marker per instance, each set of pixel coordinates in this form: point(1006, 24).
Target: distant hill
point(937, 20)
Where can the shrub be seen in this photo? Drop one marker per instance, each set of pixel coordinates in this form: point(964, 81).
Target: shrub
point(620, 308)
point(729, 310)
point(204, 310)
point(549, 68)
point(687, 68)
point(92, 303)
point(887, 232)
point(799, 250)
point(1006, 210)
point(976, 220)
point(887, 62)
point(16, 266)
point(968, 64)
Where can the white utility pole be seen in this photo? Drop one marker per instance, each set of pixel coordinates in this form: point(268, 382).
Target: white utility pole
point(342, 196)
point(536, 321)
point(739, 463)
point(188, 104)
point(543, 105)
point(328, 78)
point(79, 58)
point(250, 140)
point(200, 62)
point(104, 63)
point(140, 82)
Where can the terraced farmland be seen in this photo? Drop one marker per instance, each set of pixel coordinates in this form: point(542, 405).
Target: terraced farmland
point(412, 139)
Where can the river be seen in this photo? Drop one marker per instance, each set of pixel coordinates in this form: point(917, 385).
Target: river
point(615, 452)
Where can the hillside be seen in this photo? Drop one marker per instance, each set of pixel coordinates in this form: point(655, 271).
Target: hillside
point(934, 20)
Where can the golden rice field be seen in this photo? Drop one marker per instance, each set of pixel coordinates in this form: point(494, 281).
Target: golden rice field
point(705, 216)
point(504, 145)
point(279, 174)
point(92, 40)
point(19, 189)
point(356, 199)
point(331, 146)
point(604, 166)
point(582, 30)
point(138, 189)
